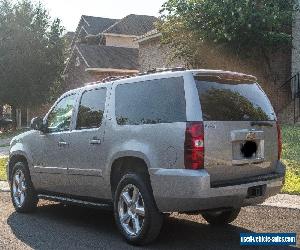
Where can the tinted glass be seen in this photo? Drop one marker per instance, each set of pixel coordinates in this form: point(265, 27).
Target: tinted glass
point(235, 101)
point(151, 102)
point(91, 109)
point(60, 117)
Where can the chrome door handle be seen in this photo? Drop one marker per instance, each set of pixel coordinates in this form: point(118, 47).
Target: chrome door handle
point(62, 143)
point(95, 141)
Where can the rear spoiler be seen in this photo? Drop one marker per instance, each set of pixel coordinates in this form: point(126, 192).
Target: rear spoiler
point(226, 77)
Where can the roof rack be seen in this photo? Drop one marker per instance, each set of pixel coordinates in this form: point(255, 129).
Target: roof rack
point(151, 71)
point(112, 78)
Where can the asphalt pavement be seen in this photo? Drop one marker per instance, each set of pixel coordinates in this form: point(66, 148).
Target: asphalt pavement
point(54, 226)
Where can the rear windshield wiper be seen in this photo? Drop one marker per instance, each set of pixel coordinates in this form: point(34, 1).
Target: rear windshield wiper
point(262, 124)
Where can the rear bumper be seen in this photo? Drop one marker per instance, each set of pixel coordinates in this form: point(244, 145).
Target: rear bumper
point(181, 190)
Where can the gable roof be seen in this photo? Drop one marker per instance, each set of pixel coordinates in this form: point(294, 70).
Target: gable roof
point(95, 25)
point(102, 56)
point(134, 25)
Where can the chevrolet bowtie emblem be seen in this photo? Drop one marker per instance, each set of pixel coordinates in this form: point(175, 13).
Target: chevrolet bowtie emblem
point(250, 136)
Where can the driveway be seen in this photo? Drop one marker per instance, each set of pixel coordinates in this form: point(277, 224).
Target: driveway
point(54, 226)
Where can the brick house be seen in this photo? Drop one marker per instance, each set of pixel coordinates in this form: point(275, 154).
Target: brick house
point(105, 47)
point(153, 54)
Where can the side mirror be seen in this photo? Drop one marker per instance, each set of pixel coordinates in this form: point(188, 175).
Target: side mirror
point(37, 123)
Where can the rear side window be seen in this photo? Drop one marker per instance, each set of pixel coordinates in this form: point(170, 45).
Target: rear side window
point(91, 109)
point(151, 102)
point(222, 100)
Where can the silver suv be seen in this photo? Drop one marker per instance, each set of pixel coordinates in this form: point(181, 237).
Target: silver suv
point(194, 141)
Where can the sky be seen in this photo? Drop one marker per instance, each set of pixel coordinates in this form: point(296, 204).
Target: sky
point(69, 11)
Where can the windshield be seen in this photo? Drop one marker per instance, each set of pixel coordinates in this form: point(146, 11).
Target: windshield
point(233, 101)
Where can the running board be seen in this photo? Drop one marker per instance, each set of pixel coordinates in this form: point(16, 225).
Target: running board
point(74, 201)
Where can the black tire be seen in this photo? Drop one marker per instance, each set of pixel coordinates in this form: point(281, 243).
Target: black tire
point(30, 201)
point(152, 220)
point(221, 217)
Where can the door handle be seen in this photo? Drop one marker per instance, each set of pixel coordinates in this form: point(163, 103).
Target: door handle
point(95, 141)
point(62, 143)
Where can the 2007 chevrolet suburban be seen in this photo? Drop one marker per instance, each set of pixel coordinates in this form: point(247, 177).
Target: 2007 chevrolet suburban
point(200, 141)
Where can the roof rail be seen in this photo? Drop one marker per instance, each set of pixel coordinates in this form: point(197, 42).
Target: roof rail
point(158, 70)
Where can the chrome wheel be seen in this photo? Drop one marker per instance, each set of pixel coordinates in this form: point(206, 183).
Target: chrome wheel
point(131, 210)
point(19, 188)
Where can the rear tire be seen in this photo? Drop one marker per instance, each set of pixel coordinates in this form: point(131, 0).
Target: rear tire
point(23, 195)
point(221, 217)
point(135, 211)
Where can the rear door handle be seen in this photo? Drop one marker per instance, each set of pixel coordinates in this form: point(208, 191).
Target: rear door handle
point(95, 141)
point(62, 143)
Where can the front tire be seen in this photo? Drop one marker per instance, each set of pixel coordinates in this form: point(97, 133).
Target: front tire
point(23, 195)
point(221, 217)
point(135, 211)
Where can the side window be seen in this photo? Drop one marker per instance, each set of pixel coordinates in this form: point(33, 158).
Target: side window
point(91, 109)
point(151, 102)
point(60, 117)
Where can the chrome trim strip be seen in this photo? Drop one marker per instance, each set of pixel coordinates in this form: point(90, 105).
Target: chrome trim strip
point(50, 170)
point(86, 172)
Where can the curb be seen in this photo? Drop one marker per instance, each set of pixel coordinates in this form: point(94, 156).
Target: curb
point(4, 186)
point(283, 201)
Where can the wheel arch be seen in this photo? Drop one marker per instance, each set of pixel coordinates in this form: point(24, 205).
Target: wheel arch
point(13, 159)
point(126, 164)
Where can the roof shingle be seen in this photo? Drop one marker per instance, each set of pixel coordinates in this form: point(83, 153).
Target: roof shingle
point(97, 25)
point(135, 25)
point(109, 57)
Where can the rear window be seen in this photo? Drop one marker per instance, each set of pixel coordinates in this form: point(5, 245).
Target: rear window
point(151, 102)
point(223, 100)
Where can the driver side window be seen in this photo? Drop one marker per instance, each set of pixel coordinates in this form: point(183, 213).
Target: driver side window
point(60, 117)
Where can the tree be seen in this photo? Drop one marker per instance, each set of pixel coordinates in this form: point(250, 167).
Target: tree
point(203, 31)
point(31, 53)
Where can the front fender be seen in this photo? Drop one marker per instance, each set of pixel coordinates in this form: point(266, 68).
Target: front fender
point(18, 150)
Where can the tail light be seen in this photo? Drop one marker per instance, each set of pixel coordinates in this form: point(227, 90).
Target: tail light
point(194, 146)
point(279, 142)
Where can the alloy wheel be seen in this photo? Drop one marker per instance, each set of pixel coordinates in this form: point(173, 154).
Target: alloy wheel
point(131, 210)
point(19, 188)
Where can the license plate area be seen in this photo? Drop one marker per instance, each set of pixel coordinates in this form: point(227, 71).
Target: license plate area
point(247, 147)
point(256, 191)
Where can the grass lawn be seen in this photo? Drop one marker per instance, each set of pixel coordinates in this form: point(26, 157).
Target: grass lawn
point(291, 157)
point(3, 169)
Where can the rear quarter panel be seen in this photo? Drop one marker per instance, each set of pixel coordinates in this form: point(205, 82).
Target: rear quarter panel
point(159, 145)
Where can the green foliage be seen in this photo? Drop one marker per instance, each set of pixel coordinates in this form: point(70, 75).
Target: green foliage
point(31, 53)
point(292, 179)
point(3, 162)
point(291, 157)
point(291, 143)
point(244, 28)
